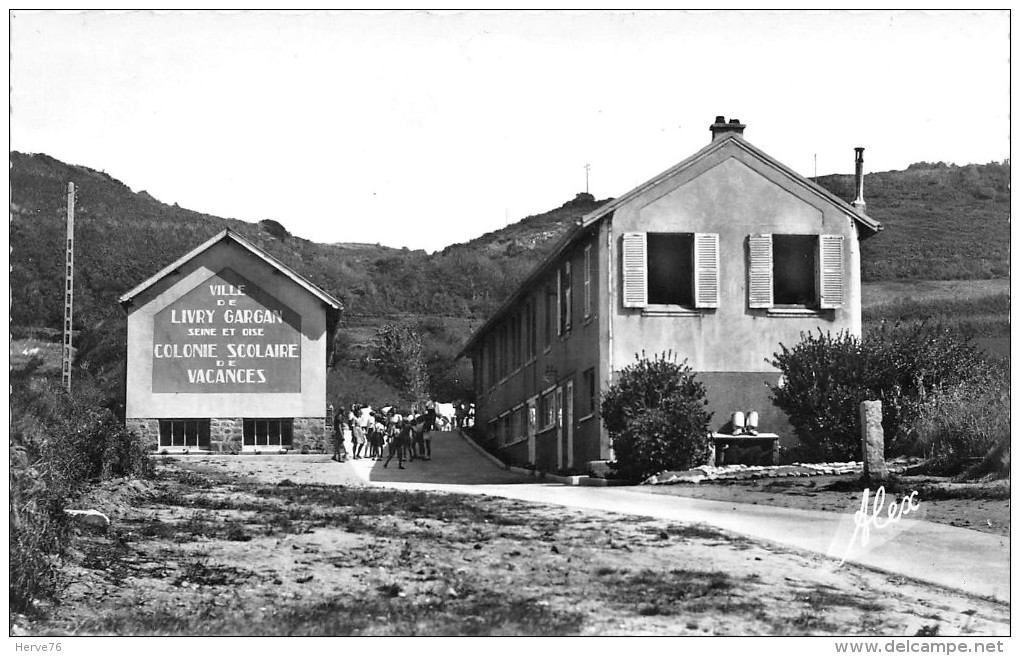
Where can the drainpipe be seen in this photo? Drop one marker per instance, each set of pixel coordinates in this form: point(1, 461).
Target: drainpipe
point(858, 201)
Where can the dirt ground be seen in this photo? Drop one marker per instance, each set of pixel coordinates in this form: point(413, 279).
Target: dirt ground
point(264, 546)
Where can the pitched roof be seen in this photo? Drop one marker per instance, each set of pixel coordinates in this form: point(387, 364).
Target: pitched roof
point(593, 217)
point(863, 219)
point(230, 235)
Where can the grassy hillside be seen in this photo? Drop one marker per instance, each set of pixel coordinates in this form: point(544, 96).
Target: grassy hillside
point(941, 222)
point(124, 237)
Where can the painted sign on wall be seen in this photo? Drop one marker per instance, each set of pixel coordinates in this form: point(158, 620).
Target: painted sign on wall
point(226, 335)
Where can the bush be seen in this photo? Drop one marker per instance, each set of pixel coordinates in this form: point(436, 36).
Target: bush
point(656, 417)
point(59, 442)
point(37, 532)
point(274, 229)
point(825, 377)
point(964, 423)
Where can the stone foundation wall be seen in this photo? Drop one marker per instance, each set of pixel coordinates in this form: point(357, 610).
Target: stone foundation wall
point(146, 429)
point(226, 434)
point(311, 436)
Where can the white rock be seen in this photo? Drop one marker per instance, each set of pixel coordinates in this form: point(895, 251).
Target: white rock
point(91, 518)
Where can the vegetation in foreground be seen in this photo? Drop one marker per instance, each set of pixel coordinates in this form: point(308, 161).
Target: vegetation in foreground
point(60, 444)
point(199, 553)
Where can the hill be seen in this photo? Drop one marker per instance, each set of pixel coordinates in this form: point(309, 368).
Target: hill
point(123, 237)
point(941, 222)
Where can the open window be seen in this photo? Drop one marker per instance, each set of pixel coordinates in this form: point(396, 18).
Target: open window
point(678, 270)
point(795, 272)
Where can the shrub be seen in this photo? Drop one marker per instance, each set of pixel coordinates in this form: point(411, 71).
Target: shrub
point(37, 531)
point(656, 417)
point(274, 229)
point(825, 377)
point(59, 443)
point(960, 424)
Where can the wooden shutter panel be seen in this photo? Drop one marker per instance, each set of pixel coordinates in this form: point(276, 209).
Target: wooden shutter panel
point(759, 272)
point(706, 270)
point(635, 270)
point(559, 301)
point(830, 271)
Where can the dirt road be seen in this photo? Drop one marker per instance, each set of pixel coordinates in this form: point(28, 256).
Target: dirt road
point(299, 545)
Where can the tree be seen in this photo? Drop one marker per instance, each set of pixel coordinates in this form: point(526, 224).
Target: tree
point(398, 357)
point(274, 229)
point(656, 417)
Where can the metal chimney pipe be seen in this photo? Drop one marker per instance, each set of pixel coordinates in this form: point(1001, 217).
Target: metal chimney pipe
point(858, 201)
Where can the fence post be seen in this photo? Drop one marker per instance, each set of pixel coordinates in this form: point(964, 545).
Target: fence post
point(873, 442)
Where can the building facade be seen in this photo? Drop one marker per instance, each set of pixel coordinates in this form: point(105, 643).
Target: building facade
point(720, 259)
point(227, 352)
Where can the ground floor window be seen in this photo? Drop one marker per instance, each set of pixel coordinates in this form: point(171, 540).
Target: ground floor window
point(184, 432)
point(269, 432)
point(546, 411)
point(589, 394)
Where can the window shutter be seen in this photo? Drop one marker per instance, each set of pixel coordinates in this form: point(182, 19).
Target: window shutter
point(706, 270)
point(759, 272)
point(568, 296)
point(830, 271)
point(635, 270)
point(559, 301)
point(588, 282)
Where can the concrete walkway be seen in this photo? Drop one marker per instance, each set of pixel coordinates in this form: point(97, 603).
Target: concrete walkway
point(962, 559)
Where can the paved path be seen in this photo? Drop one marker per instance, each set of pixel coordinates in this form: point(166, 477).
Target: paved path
point(962, 559)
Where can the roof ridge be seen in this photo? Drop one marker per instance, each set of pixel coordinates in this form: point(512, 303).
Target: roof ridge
point(229, 233)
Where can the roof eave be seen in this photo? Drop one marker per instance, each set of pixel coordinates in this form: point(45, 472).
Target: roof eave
point(568, 240)
point(128, 297)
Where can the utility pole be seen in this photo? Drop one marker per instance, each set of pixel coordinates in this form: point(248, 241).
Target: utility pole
point(816, 167)
point(69, 287)
point(587, 167)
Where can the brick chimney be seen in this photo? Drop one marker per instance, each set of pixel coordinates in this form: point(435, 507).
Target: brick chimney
point(721, 128)
point(858, 201)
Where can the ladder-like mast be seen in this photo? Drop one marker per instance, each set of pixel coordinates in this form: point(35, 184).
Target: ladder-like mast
point(69, 287)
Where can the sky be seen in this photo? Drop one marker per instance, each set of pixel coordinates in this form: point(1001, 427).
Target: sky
point(420, 130)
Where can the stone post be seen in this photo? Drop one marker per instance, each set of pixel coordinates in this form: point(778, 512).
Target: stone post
point(873, 442)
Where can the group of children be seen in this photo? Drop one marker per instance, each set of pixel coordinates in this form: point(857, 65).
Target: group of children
point(406, 435)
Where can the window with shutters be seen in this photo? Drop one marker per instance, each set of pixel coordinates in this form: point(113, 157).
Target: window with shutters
point(588, 399)
point(493, 366)
point(664, 271)
point(588, 276)
point(532, 328)
point(565, 298)
point(795, 272)
point(515, 342)
point(546, 411)
point(550, 315)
